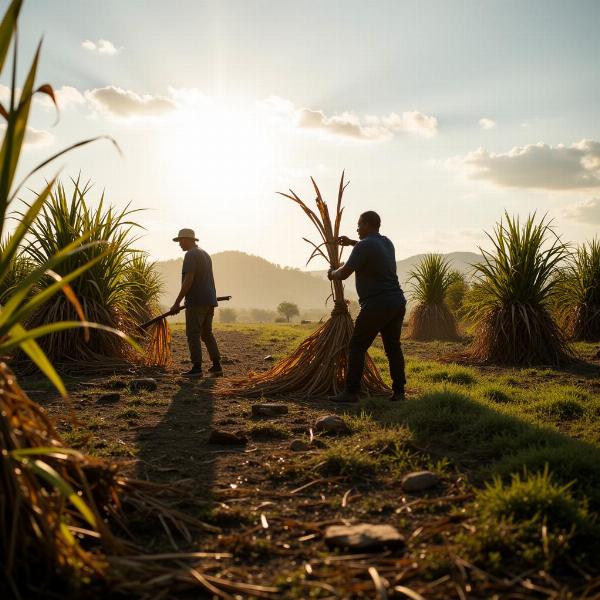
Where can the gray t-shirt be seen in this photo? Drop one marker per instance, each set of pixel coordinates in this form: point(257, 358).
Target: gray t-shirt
point(202, 292)
point(373, 260)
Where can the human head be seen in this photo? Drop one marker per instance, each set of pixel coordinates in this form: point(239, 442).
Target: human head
point(368, 222)
point(187, 239)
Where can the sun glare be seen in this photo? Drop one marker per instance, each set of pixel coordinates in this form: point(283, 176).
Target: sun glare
point(214, 154)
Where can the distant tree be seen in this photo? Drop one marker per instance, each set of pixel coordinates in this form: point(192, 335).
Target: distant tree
point(260, 315)
point(288, 310)
point(227, 315)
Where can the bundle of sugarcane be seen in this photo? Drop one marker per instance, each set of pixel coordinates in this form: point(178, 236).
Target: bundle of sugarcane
point(319, 365)
point(158, 345)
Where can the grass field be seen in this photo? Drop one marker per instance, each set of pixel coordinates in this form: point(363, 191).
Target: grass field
point(517, 452)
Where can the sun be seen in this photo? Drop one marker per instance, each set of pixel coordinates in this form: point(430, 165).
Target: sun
point(215, 153)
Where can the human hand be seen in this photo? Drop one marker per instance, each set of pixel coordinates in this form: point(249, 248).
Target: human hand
point(175, 309)
point(329, 274)
point(344, 240)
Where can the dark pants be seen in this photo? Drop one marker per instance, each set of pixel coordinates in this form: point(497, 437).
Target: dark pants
point(198, 326)
point(368, 325)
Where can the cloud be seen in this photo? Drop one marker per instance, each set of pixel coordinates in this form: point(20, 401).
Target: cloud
point(34, 137)
point(118, 102)
point(587, 211)
point(538, 166)
point(348, 124)
point(66, 97)
point(486, 123)
point(104, 47)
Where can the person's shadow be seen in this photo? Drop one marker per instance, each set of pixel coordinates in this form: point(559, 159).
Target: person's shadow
point(173, 451)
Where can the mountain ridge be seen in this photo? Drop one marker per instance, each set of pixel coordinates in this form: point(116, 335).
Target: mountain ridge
point(254, 282)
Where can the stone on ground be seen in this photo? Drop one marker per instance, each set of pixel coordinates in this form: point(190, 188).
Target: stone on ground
point(299, 446)
point(269, 410)
point(226, 438)
point(419, 481)
point(144, 383)
point(331, 424)
point(363, 537)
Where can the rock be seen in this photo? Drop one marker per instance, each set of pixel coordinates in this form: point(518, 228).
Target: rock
point(331, 424)
point(145, 383)
point(109, 398)
point(363, 537)
point(317, 443)
point(269, 410)
point(419, 481)
point(217, 436)
point(299, 446)
point(269, 358)
point(117, 384)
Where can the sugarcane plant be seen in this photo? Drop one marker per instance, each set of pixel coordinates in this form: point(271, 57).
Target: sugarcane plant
point(578, 298)
point(319, 365)
point(121, 289)
point(514, 288)
point(431, 318)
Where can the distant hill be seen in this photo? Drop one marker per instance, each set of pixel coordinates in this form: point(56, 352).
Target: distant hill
point(257, 283)
point(253, 282)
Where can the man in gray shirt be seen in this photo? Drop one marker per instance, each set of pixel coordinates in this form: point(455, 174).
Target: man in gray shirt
point(198, 289)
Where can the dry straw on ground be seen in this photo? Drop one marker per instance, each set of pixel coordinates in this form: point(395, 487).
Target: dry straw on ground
point(319, 365)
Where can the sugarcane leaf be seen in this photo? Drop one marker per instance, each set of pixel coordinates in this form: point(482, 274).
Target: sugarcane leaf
point(7, 27)
point(36, 354)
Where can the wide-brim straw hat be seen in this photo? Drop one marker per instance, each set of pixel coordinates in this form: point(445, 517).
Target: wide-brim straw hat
point(186, 233)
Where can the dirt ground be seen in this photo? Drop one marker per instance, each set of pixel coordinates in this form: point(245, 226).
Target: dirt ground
point(270, 518)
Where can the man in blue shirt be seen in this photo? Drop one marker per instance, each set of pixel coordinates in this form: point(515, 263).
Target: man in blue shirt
point(382, 305)
point(198, 289)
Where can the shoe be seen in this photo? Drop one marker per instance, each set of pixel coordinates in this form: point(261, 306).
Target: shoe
point(216, 371)
point(397, 396)
point(345, 396)
point(193, 372)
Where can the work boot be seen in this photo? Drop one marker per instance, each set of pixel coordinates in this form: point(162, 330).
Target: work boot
point(216, 370)
point(345, 396)
point(195, 371)
point(397, 396)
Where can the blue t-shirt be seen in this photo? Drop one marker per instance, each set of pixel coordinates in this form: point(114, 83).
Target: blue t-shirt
point(373, 261)
point(202, 292)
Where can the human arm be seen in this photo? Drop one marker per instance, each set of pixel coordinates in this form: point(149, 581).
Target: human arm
point(186, 285)
point(344, 240)
point(340, 274)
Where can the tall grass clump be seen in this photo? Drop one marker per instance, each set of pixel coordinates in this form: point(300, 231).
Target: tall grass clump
point(578, 300)
point(16, 271)
point(514, 286)
point(120, 289)
point(432, 319)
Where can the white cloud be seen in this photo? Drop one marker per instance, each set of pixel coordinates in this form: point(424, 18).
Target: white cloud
point(486, 123)
point(105, 47)
point(66, 97)
point(118, 102)
point(34, 137)
point(539, 166)
point(348, 124)
point(587, 211)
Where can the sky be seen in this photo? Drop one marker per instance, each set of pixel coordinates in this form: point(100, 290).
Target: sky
point(444, 114)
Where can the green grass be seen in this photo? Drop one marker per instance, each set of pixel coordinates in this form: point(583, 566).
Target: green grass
point(268, 431)
point(530, 522)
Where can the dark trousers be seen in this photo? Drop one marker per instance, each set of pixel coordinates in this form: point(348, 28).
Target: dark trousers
point(368, 324)
point(198, 326)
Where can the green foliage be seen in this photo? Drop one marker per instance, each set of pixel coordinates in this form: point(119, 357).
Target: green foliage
point(456, 293)
point(120, 287)
point(531, 521)
point(578, 297)
point(16, 271)
point(288, 310)
point(514, 287)
point(431, 278)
